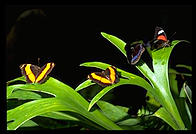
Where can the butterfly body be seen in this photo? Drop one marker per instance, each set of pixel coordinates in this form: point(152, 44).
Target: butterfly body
point(105, 78)
point(35, 74)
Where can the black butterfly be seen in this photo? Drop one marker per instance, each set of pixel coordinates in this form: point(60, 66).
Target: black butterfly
point(134, 52)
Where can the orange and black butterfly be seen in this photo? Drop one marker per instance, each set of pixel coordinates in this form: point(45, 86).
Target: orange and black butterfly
point(35, 74)
point(105, 78)
point(160, 39)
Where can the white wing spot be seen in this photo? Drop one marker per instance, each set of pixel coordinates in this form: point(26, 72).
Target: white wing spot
point(160, 32)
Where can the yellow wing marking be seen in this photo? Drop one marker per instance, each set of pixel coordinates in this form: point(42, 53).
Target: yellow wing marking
point(43, 72)
point(29, 73)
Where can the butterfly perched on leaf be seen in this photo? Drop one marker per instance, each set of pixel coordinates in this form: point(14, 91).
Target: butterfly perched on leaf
point(160, 39)
point(134, 52)
point(35, 74)
point(105, 78)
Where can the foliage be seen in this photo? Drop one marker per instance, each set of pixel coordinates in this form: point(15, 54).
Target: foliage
point(56, 101)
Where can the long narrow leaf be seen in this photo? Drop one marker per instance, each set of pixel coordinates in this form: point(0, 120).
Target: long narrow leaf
point(162, 81)
point(107, 89)
point(164, 115)
point(143, 83)
point(40, 106)
point(59, 116)
point(173, 82)
point(84, 85)
point(185, 66)
point(116, 41)
point(113, 112)
point(188, 92)
point(184, 112)
point(29, 123)
point(132, 79)
point(159, 79)
point(24, 95)
point(65, 95)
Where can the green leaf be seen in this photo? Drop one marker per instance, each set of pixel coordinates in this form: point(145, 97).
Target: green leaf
point(160, 81)
point(188, 92)
point(121, 46)
point(173, 82)
point(22, 78)
point(173, 71)
point(185, 66)
point(144, 111)
point(184, 112)
point(11, 88)
point(29, 123)
point(59, 116)
point(24, 95)
point(108, 88)
point(130, 122)
point(160, 66)
point(65, 99)
point(159, 78)
point(132, 79)
point(84, 85)
point(112, 112)
point(140, 81)
point(105, 90)
point(103, 66)
point(133, 127)
point(125, 109)
point(115, 41)
point(31, 109)
point(189, 113)
point(164, 115)
point(152, 103)
point(52, 124)
point(182, 93)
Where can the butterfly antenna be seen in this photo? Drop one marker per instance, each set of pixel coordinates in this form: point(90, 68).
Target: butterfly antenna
point(172, 35)
point(38, 61)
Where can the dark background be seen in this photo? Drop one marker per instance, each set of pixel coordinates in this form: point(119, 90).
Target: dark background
point(70, 35)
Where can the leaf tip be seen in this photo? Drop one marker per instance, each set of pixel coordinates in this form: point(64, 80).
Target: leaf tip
point(104, 34)
point(82, 64)
point(77, 89)
point(89, 108)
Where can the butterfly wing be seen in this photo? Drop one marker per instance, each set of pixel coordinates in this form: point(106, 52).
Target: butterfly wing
point(112, 74)
point(160, 34)
point(160, 39)
point(137, 52)
point(99, 78)
point(30, 71)
point(134, 52)
point(43, 72)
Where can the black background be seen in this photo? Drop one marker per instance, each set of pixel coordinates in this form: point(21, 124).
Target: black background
point(70, 35)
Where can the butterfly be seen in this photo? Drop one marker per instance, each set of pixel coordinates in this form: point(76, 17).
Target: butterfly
point(160, 39)
point(134, 52)
point(35, 74)
point(105, 78)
